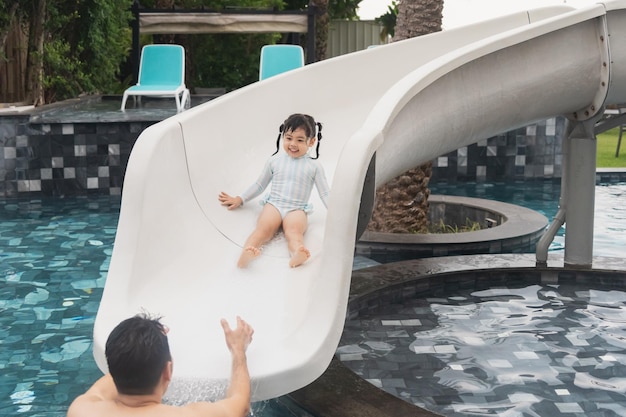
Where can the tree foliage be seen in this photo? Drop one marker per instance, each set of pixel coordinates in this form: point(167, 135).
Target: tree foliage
point(232, 60)
point(337, 9)
point(327, 10)
point(225, 60)
point(219, 60)
point(81, 46)
point(8, 12)
point(85, 43)
point(74, 46)
point(388, 20)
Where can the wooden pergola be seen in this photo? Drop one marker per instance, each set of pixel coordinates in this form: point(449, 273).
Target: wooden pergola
point(174, 21)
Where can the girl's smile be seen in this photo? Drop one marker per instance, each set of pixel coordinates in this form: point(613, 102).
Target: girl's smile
point(296, 143)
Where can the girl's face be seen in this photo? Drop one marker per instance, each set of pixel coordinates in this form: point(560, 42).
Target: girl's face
point(295, 142)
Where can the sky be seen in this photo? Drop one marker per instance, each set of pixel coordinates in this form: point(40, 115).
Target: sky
point(463, 12)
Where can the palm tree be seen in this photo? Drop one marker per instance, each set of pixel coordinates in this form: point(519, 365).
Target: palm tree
point(402, 204)
point(418, 17)
point(322, 23)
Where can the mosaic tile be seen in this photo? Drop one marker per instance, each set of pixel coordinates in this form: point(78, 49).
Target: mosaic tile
point(76, 140)
point(38, 298)
point(571, 370)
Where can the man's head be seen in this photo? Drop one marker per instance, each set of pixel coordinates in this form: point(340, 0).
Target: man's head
point(137, 352)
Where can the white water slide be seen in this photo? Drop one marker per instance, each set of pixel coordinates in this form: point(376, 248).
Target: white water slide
point(402, 104)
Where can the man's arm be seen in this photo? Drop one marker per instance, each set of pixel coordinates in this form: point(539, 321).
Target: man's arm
point(237, 401)
point(239, 387)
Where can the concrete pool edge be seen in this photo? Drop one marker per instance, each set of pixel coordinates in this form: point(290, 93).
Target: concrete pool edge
point(339, 392)
point(517, 230)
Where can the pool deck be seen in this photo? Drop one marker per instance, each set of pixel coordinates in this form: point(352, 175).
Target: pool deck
point(106, 109)
point(339, 392)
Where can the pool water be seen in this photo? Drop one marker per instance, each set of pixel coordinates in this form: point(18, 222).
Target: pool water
point(543, 196)
point(539, 350)
point(54, 257)
point(530, 351)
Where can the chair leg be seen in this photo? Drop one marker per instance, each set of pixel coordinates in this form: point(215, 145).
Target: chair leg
point(178, 103)
point(186, 100)
point(124, 98)
point(183, 102)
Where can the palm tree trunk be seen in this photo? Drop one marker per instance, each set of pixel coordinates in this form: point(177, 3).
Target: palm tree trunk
point(417, 18)
point(402, 204)
point(322, 23)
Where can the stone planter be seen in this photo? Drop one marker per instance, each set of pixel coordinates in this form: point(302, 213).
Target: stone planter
point(513, 229)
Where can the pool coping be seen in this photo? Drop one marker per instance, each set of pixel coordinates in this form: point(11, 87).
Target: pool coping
point(339, 392)
point(517, 230)
point(154, 109)
point(519, 221)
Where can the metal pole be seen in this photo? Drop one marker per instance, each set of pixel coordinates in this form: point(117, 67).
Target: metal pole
point(559, 219)
point(135, 53)
point(580, 194)
point(310, 36)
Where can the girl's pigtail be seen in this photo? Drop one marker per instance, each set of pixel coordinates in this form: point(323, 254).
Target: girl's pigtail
point(280, 132)
point(319, 139)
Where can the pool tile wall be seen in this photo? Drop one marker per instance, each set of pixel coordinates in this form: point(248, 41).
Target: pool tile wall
point(59, 159)
point(530, 152)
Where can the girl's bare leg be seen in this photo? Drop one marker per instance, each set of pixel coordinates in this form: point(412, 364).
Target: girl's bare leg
point(266, 227)
point(294, 226)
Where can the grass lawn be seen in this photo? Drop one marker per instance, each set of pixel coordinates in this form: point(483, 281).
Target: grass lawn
point(607, 142)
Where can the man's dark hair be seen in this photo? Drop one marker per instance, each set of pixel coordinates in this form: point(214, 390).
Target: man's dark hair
point(137, 351)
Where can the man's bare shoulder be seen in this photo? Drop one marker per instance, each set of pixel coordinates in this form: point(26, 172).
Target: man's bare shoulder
point(88, 405)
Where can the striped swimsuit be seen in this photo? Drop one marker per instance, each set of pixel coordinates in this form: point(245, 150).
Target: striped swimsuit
point(292, 182)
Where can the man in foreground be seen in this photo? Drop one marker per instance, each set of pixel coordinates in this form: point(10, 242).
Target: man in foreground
point(140, 370)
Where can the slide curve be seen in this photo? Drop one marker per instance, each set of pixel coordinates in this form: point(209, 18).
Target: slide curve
point(402, 104)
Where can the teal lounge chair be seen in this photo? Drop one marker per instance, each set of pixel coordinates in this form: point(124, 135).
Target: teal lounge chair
point(276, 59)
point(161, 74)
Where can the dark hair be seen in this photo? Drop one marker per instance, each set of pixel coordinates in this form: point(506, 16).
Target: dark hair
point(307, 123)
point(137, 352)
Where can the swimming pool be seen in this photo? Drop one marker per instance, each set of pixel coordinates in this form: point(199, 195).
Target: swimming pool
point(53, 265)
point(497, 348)
point(503, 349)
point(543, 196)
point(54, 256)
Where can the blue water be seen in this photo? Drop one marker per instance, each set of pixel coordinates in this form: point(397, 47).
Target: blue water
point(54, 257)
point(543, 196)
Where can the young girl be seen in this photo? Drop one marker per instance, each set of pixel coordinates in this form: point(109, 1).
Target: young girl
point(292, 175)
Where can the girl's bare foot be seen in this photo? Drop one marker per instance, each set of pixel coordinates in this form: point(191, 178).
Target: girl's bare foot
point(248, 254)
point(299, 257)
